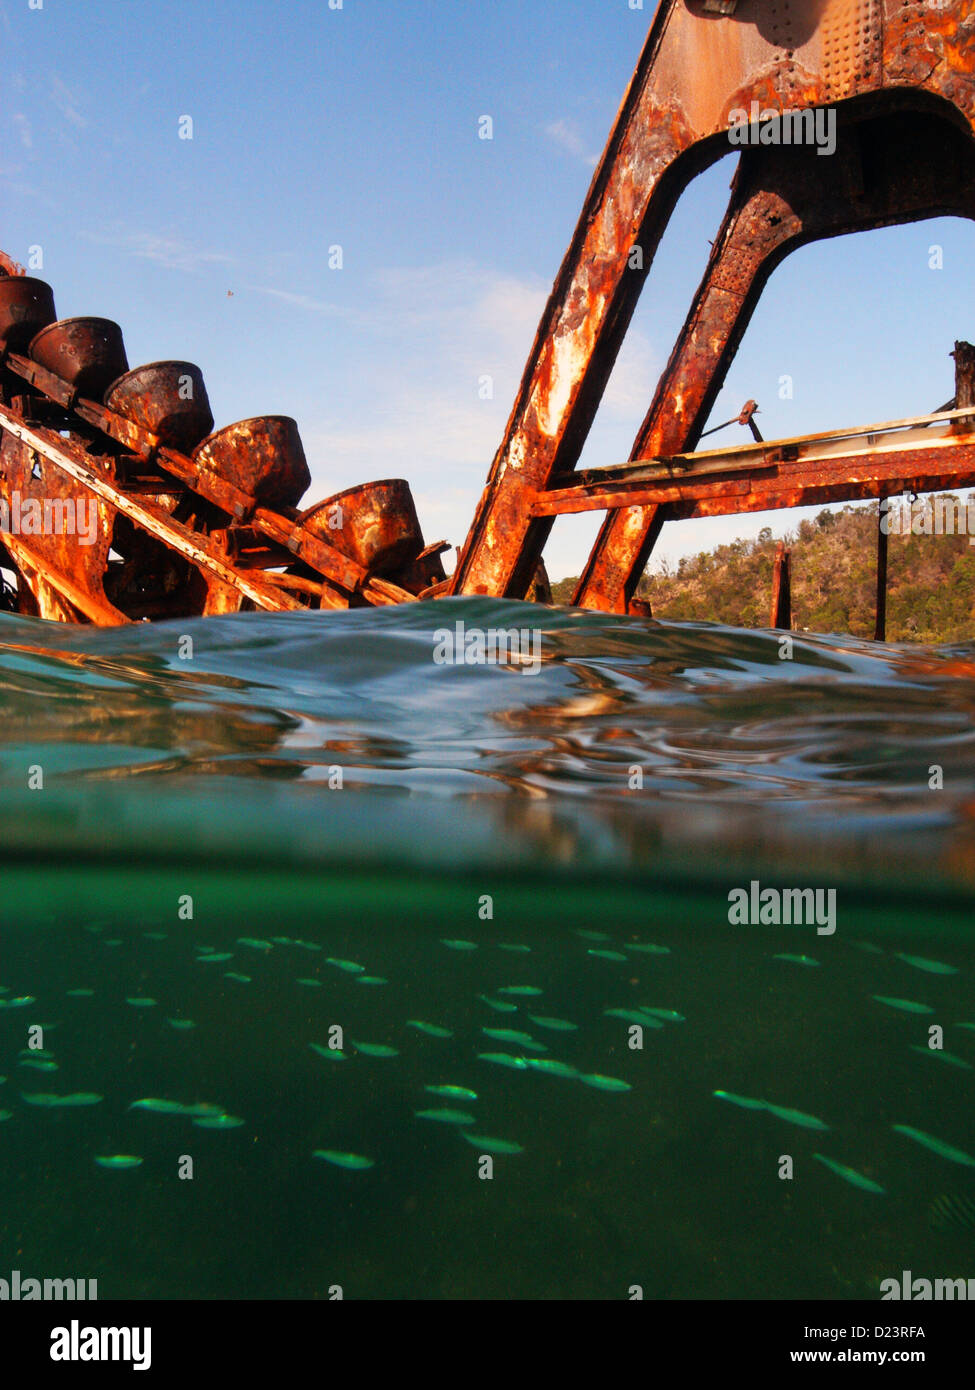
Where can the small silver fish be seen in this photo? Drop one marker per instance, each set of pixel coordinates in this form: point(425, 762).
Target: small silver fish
point(551, 1067)
point(375, 1049)
point(489, 1145)
point(223, 1121)
point(556, 1025)
point(445, 1116)
point(795, 1117)
point(634, 1016)
point(746, 1102)
point(604, 1083)
point(515, 1036)
point(937, 1146)
point(344, 1160)
point(504, 1059)
point(500, 1006)
point(850, 1175)
point(907, 1006)
point(942, 1056)
point(931, 967)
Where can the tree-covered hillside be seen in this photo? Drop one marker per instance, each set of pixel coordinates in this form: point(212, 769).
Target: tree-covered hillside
point(930, 592)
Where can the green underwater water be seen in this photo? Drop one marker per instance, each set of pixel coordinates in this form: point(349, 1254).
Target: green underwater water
point(202, 785)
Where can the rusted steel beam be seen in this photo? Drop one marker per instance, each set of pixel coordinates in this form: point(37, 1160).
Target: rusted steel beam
point(73, 461)
point(696, 69)
point(894, 169)
point(343, 577)
point(98, 610)
point(781, 590)
point(337, 568)
point(784, 483)
point(828, 445)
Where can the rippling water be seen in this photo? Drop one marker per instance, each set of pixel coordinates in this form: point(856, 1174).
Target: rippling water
point(164, 799)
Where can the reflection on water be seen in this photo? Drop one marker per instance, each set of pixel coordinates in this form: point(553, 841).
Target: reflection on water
point(187, 847)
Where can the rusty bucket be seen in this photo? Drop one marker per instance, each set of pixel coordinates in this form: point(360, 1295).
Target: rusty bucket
point(26, 306)
point(262, 456)
point(374, 524)
point(86, 353)
point(167, 398)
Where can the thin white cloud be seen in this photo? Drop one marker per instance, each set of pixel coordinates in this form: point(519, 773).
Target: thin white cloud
point(436, 333)
point(302, 301)
point(23, 130)
point(170, 252)
point(66, 102)
point(566, 134)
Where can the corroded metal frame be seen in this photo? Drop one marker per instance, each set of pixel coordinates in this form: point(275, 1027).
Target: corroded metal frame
point(873, 61)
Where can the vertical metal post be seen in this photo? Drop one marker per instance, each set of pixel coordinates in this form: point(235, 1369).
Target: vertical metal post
point(782, 590)
point(880, 631)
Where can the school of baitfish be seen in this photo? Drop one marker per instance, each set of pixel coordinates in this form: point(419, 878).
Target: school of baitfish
point(522, 1052)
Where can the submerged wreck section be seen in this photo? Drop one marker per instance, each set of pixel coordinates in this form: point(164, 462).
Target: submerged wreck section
point(181, 520)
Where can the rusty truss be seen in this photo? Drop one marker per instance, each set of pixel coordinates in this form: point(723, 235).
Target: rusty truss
point(190, 521)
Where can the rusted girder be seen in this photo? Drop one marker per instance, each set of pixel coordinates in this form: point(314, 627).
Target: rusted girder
point(701, 66)
point(890, 170)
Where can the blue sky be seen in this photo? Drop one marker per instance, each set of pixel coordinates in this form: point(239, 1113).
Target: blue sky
point(358, 127)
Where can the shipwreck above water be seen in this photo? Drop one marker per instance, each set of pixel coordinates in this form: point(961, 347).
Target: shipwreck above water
point(185, 520)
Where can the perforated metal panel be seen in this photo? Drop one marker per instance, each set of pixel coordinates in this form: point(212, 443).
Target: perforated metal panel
point(851, 36)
